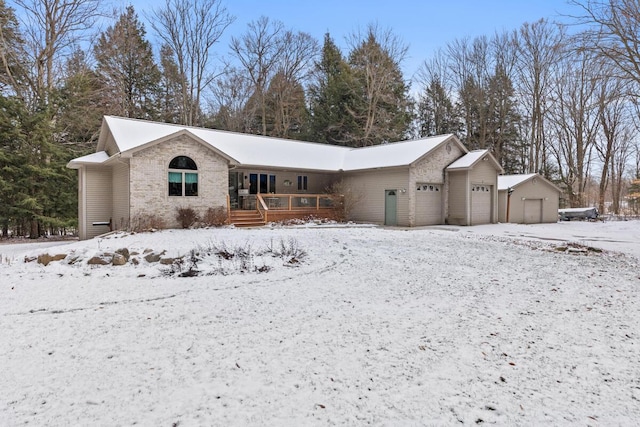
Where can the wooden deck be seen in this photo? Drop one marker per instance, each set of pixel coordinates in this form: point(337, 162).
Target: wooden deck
point(281, 207)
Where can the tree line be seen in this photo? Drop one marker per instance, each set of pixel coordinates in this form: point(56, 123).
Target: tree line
point(540, 98)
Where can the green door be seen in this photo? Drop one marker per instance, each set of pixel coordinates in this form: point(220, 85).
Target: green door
point(390, 207)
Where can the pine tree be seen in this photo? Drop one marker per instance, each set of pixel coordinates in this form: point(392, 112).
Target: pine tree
point(286, 109)
point(383, 110)
point(38, 192)
point(504, 137)
point(80, 104)
point(437, 114)
point(332, 99)
point(171, 83)
point(127, 69)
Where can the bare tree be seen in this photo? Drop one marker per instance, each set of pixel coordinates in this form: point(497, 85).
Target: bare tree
point(613, 32)
point(613, 114)
point(230, 96)
point(259, 51)
point(436, 112)
point(574, 117)
point(51, 28)
point(191, 28)
point(540, 46)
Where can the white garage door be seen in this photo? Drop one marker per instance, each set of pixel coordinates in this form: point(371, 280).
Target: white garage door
point(533, 211)
point(480, 204)
point(428, 204)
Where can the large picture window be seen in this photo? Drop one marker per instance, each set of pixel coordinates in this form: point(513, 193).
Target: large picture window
point(183, 181)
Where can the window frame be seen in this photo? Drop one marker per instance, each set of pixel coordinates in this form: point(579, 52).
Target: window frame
point(188, 178)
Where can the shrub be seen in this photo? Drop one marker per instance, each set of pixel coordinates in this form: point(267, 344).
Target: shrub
point(146, 222)
point(186, 217)
point(215, 217)
point(344, 199)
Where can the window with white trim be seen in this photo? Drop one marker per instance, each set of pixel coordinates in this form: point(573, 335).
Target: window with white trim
point(183, 177)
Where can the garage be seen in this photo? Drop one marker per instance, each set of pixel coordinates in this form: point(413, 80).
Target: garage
point(527, 199)
point(428, 204)
point(472, 198)
point(481, 202)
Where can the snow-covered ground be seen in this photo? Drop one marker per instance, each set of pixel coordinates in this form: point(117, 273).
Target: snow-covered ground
point(505, 324)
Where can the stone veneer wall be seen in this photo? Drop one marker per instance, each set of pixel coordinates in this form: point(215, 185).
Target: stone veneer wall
point(149, 180)
point(432, 170)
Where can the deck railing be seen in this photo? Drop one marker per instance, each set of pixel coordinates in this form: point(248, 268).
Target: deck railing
point(278, 206)
point(293, 202)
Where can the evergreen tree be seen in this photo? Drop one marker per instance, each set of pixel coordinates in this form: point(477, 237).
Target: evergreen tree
point(332, 99)
point(437, 114)
point(171, 83)
point(471, 102)
point(285, 107)
point(38, 192)
point(383, 110)
point(80, 103)
point(127, 68)
point(504, 137)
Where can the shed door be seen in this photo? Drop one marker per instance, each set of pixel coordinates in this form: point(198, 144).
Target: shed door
point(533, 211)
point(428, 204)
point(480, 204)
point(390, 207)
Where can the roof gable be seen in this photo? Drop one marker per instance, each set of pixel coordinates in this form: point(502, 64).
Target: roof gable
point(188, 134)
point(512, 181)
point(469, 160)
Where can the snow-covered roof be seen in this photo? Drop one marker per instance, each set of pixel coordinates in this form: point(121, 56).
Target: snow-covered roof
point(255, 150)
point(510, 181)
point(94, 158)
point(389, 155)
point(507, 181)
point(468, 160)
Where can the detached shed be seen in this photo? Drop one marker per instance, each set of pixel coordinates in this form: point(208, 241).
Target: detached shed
point(527, 199)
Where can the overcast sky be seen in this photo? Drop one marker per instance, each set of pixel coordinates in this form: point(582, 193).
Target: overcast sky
point(424, 25)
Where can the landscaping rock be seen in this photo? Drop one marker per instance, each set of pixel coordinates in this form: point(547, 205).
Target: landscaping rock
point(152, 257)
point(96, 260)
point(118, 259)
point(45, 259)
point(124, 252)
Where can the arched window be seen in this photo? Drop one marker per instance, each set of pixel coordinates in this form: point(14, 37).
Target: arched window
point(182, 181)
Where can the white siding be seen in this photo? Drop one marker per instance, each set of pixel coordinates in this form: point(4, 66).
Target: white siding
point(536, 190)
point(458, 194)
point(372, 185)
point(98, 190)
point(120, 178)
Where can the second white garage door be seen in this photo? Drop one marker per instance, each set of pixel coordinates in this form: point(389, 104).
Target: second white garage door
point(481, 204)
point(428, 204)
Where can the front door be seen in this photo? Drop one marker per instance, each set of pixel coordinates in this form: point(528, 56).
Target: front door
point(235, 183)
point(390, 207)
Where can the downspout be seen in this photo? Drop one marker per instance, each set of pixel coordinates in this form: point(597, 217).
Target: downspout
point(82, 172)
point(509, 191)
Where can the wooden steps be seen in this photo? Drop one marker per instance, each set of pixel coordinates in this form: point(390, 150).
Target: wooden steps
point(246, 218)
